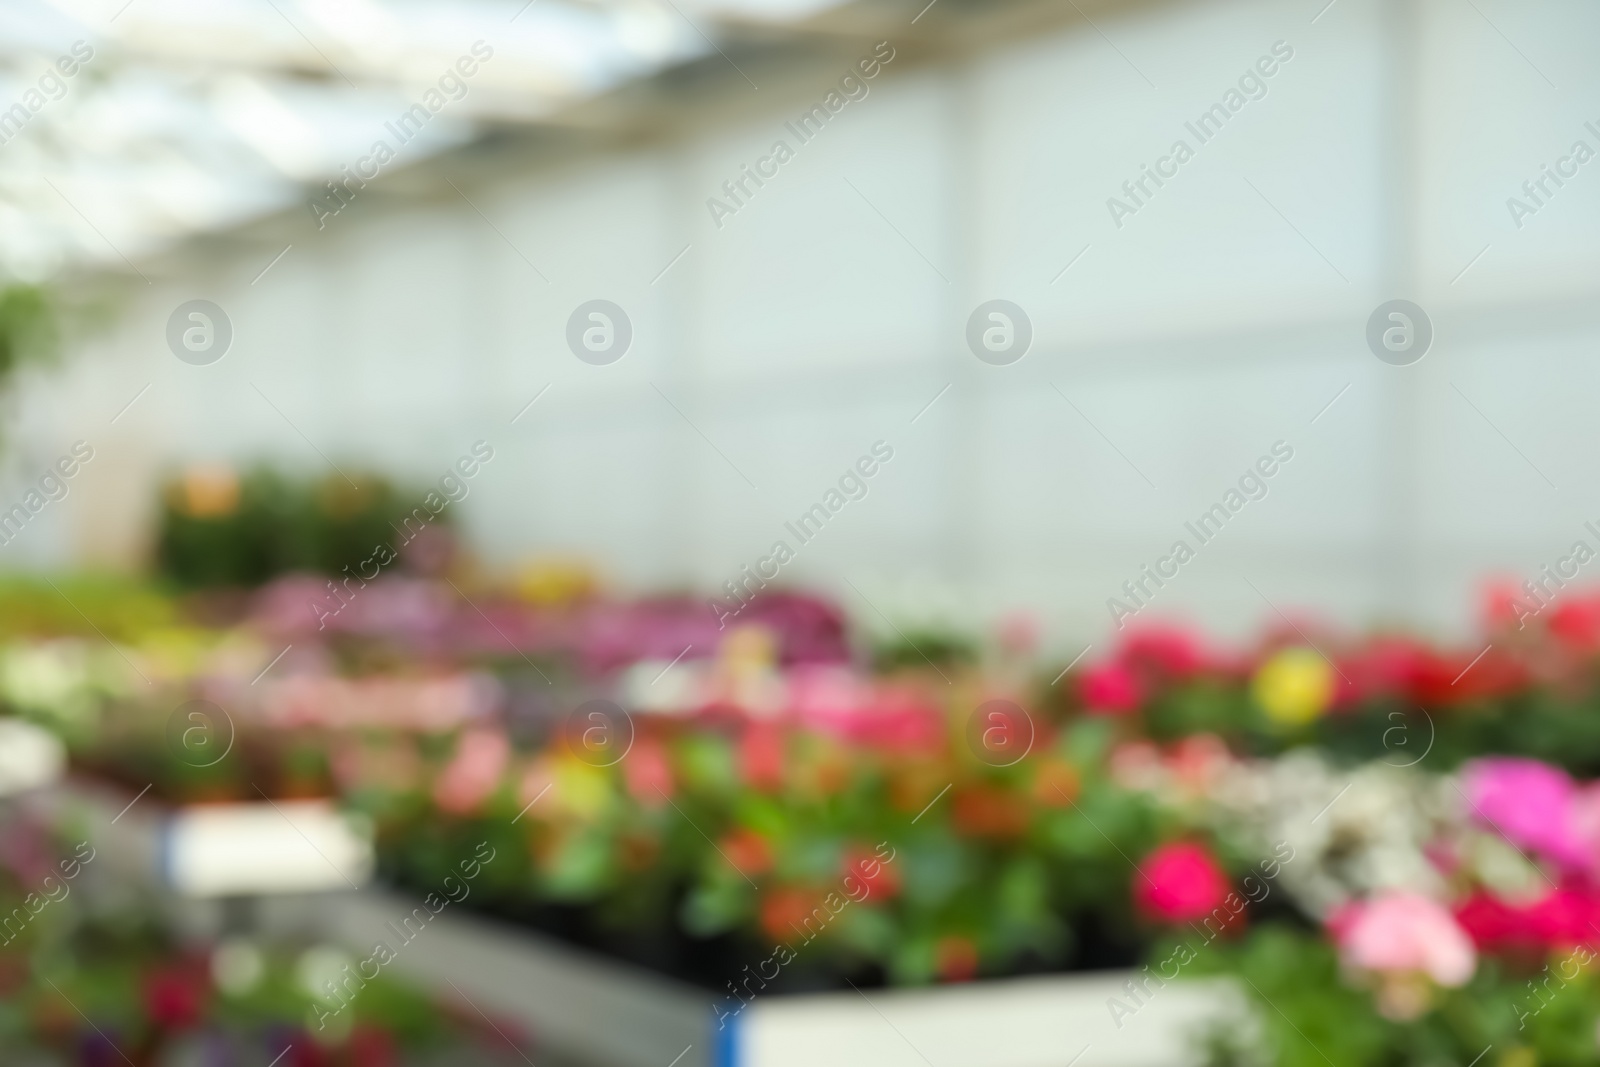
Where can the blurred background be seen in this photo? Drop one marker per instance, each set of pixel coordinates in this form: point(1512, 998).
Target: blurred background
point(772, 347)
point(705, 417)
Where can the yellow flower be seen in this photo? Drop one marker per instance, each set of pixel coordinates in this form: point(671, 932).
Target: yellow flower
point(556, 581)
point(1294, 686)
point(584, 791)
point(207, 491)
point(177, 652)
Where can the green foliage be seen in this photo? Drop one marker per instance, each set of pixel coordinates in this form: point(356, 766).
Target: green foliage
point(918, 648)
point(82, 605)
point(1558, 724)
point(29, 330)
point(272, 523)
point(1311, 1014)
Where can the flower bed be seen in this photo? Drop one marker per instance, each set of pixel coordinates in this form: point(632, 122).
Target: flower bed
point(1527, 686)
point(1435, 917)
point(759, 811)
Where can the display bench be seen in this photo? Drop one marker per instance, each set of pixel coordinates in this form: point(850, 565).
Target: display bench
point(304, 866)
point(602, 1012)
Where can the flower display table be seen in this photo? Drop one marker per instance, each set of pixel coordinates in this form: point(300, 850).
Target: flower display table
point(594, 1009)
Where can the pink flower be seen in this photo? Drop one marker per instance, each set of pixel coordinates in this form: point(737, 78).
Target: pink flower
point(1110, 689)
point(899, 717)
point(473, 772)
point(1532, 804)
point(1199, 761)
point(1018, 633)
point(1400, 931)
point(1501, 604)
point(1180, 882)
point(423, 703)
point(1137, 765)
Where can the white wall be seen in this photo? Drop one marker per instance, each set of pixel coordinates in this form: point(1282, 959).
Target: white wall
point(806, 327)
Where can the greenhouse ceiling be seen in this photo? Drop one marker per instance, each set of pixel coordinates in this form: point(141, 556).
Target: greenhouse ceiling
point(126, 125)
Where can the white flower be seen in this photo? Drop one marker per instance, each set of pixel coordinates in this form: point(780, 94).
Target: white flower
point(1353, 832)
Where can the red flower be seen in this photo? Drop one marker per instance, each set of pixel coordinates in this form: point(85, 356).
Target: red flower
point(1169, 650)
point(955, 958)
point(1559, 920)
point(1180, 882)
point(1502, 604)
point(1565, 918)
point(761, 752)
point(174, 998)
point(1110, 689)
point(648, 774)
point(13, 973)
point(1576, 620)
point(1493, 924)
point(1387, 666)
point(748, 851)
point(307, 1053)
point(371, 1047)
point(1431, 678)
point(881, 877)
point(784, 912)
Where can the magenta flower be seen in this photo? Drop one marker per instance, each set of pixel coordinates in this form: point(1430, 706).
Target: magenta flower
point(1532, 804)
point(1180, 882)
point(1110, 689)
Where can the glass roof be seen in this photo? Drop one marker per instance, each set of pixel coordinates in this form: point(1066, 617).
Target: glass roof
point(127, 124)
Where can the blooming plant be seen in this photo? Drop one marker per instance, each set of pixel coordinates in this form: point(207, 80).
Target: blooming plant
point(1528, 687)
point(717, 839)
point(1457, 914)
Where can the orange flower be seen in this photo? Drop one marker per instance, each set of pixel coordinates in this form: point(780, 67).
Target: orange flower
point(748, 851)
point(914, 783)
point(985, 811)
point(1056, 784)
point(822, 771)
point(955, 958)
point(785, 910)
point(638, 852)
point(208, 491)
